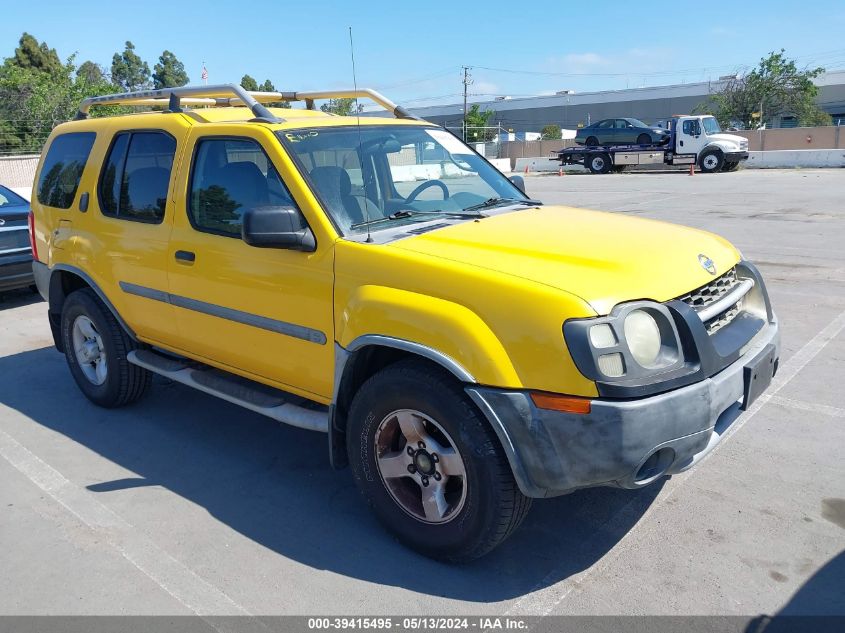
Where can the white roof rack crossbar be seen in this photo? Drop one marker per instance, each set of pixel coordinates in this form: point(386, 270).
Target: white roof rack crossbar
point(234, 95)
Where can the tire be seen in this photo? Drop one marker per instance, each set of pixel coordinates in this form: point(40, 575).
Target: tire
point(591, 142)
point(730, 166)
point(90, 331)
point(599, 163)
point(481, 502)
point(711, 161)
point(644, 139)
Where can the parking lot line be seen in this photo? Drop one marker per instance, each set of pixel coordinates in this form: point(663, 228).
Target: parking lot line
point(544, 601)
point(196, 594)
point(812, 407)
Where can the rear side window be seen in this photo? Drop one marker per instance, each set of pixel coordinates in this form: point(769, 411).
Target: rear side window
point(136, 176)
point(62, 169)
point(230, 176)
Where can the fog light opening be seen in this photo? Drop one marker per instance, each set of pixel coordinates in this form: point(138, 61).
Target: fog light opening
point(656, 464)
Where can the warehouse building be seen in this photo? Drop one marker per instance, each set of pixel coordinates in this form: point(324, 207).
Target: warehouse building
point(570, 109)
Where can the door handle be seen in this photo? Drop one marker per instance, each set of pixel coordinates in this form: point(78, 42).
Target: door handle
point(186, 256)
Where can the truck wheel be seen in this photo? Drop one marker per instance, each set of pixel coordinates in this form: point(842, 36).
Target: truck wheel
point(711, 161)
point(643, 139)
point(429, 465)
point(599, 164)
point(591, 142)
point(95, 349)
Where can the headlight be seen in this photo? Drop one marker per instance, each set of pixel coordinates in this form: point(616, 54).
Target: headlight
point(643, 337)
point(636, 342)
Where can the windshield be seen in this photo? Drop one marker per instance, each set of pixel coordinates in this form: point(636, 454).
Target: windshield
point(636, 123)
point(711, 125)
point(10, 198)
point(384, 175)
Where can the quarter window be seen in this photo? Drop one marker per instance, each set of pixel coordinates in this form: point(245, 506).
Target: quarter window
point(230, 176)
point(136, 176)
point(62, 169)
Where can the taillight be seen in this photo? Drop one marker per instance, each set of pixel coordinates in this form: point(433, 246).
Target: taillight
point(32, 235)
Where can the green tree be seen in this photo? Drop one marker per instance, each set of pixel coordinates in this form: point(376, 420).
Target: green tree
point(248, 83)
point(32, 55)
point(91, 72)
point(478, 124)
point(33, 102)
point(267, 86)
point(169, 72)
point(128, 71)
point(550, 132)
point(342, 107)
point(778, 86)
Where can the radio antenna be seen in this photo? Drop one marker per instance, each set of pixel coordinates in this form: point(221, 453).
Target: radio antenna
point(360, 142)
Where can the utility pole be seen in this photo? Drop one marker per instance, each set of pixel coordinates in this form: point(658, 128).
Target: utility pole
point(467, 80)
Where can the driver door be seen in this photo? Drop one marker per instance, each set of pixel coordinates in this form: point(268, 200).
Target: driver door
point(261, 312)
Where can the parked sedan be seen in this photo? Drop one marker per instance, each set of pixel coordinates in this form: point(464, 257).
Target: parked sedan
point(621, 132)
point(15, 251)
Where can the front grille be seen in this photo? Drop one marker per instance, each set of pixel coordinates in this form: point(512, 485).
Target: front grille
point(14, 240)
point(702, 297)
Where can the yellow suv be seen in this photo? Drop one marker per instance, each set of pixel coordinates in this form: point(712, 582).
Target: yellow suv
point(464, 347)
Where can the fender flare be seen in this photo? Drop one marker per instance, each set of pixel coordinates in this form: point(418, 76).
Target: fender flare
point(56, 294)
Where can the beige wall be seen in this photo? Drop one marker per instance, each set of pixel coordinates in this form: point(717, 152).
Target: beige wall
point(17, 171)
point(829, 137)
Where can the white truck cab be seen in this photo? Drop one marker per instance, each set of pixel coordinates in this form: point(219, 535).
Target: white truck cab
point(701, 135)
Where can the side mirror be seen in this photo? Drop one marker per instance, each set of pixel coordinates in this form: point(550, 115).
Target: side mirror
point(277, 227)
point(519, 181)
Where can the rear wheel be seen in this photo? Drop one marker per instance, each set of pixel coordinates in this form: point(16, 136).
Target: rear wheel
point(95, 349)
point(429, 465)
point(711, 161)
point(599, 163)
point(591, 142)
point(643, 139)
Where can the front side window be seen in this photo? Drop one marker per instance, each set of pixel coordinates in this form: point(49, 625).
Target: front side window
point(230, 176)
point(395, 173)
point(62, 169)
point(691, 127)
point(136, 176)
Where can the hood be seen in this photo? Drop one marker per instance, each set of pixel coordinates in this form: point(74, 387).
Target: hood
point(727, 138)
point(604, 258)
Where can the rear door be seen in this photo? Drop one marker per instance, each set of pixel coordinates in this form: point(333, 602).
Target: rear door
point(122, 240)
point(264, 313)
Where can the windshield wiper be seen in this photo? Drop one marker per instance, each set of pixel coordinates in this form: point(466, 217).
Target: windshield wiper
point(495, 202)
point(405, 213)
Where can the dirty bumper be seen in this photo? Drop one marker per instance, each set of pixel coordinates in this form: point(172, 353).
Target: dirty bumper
point(628, 443)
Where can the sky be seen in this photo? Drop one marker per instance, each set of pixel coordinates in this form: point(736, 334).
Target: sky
point(413, 51)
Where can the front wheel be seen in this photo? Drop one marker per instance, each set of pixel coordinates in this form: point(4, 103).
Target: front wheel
point(95, 349)
point(711, 161)
point(429, 465)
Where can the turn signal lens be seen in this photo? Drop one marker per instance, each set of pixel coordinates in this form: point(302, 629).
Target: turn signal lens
point(557, 402)
point(612, 365)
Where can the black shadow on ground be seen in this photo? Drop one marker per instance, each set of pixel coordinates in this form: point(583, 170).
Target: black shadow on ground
point(273, 484)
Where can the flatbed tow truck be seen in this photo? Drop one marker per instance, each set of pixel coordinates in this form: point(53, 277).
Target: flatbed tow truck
point(693, 140)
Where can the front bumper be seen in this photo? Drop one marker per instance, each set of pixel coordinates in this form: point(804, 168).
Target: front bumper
point(552, 453)
point(736, 157)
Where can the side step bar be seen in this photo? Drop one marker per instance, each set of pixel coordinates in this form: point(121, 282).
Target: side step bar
point(278, 405)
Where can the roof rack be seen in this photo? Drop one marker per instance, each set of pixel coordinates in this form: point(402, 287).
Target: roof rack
point(233, 95)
